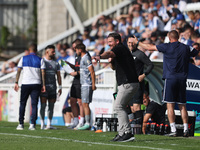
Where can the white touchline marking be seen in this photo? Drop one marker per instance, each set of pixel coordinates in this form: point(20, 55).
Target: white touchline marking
point(86, 142)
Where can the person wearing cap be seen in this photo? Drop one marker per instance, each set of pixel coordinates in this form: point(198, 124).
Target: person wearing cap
point(180, 21)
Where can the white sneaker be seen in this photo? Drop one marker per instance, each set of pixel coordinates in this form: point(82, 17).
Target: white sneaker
point(72, 126)
point(31, 127)
point(50, 127)
point(78, 126)
point(20, 127)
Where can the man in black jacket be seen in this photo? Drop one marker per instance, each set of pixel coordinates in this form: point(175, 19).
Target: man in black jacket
point(141, 60)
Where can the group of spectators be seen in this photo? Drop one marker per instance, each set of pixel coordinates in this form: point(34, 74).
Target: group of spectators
point(149, 21)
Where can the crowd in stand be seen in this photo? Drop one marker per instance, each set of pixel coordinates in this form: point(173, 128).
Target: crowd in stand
point(148, 20)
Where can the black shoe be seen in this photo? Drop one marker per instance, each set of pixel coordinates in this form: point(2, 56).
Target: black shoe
point(126, 137)
point(116, 138)
point(186, 133)
point(171, 134)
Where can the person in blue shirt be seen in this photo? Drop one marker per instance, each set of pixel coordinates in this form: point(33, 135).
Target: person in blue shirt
point(175, 70)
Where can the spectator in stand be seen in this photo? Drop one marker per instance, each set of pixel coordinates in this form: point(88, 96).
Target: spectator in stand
point(100, 23)
point(136, 7)
point(93, 32)
point(65, 46)
point(154, 111)
point(172, 20)
point(99, 46)
point(152, 6)
point(86, 40)
point(8, 67)
point(58, 49)
point(197, 58)
point(192, 18)
point(145, 8)
point(109, 29)
point(129, 19)
point(137, 24)
point(122, 25)
point(63, 55)
point(162, 12)
point(197, 24)
point(186, 36)
point(155, 38)
point(154, 25)
point(180, 21)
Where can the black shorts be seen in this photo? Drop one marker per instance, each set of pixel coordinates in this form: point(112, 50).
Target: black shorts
point(67, 109)
point(50, 92)
point(138, 97)
point(175, 91)
point(75, 91)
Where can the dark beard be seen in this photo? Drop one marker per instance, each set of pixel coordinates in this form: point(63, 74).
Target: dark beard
point(53, 57)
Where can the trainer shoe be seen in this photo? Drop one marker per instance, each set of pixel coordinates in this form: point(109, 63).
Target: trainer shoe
point(171, 134)
point(50, 127)
point(186, 133)
point(20, 127)
point(31, 127)
point(78, 126)
point(116, 138)
point(126, 137)
point(72, 126)
point(85, 127)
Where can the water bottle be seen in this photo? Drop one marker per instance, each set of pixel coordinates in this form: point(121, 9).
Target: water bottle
point(167, 129)
point(157, 129)
point(104, 126)
point(108, 125)
point(148, 128)
point(152, 128)
point(162, 128)
point(99, 124)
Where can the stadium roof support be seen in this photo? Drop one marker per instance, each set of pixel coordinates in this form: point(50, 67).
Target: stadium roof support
point(74, 15)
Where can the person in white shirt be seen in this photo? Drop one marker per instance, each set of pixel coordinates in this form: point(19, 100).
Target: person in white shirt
point(33, 78)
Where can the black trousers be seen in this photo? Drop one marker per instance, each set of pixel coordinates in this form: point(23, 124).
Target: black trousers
point(34, 91)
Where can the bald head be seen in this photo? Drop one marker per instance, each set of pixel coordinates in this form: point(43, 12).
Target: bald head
point(173, 35)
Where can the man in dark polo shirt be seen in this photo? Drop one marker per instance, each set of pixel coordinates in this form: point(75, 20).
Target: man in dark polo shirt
point(176, 57)
point(127, 80)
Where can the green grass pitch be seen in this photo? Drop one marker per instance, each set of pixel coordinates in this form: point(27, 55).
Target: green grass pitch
point(64, 139)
